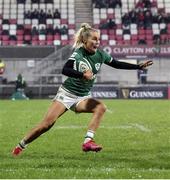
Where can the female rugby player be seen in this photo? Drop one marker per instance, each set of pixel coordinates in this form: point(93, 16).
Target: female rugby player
point(81, 69)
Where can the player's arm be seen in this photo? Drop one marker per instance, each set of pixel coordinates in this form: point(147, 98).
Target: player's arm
point(124, 65)
point(69, 71)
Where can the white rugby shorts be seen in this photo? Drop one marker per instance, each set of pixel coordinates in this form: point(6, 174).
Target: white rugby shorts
point(69, 100)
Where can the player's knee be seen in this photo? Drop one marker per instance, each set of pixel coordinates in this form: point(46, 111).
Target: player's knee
point(101, 108)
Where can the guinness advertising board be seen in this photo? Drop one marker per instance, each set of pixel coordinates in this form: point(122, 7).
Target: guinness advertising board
point(144, 93)
point(105, 92)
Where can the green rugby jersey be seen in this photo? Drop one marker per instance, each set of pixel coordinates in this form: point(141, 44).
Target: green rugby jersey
point(83, 60)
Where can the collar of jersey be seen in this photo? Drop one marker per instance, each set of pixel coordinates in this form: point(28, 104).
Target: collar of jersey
point(86, 52)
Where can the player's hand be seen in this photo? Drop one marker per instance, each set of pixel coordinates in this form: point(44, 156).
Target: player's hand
point(145, 64)
point(88, 75)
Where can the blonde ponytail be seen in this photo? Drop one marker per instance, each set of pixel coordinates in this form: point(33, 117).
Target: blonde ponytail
point(82, 34)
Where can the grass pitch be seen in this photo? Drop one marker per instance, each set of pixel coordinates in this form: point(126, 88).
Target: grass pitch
point(135, 135)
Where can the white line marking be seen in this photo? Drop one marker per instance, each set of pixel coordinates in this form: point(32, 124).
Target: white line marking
point(141, 127)
point(130, 126)
point(109, 111)
point(106, 170)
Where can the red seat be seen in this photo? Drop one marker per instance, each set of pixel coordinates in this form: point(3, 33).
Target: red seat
point(104, 42)
point(119, 37)
point(120, 42)
point(57, 36)
point(71, 26)
point(28, 26)
point(134, 37)
point(5, 37)
point(5, 43)
point(141, 36)
point(20, 42)
point(103, 21)
point(104, 31)
point(20, 37)
point(49, 42)
point(149, 42)
point(20, 31)
point(12, 42)
point(112, 37)
point(141, 31)
point(35, 37)
point(154, 3)
point(64, 42)
point(148, 32)
point(27, 37)
point(110, 16)
point(119, 26)
point(168, 30)
point(134, 42)
point(127, 42)
point(50, 37)
point(13, 21)
point(149, 37)
point(111, 31)
point(64, 21)
point(42, 42)
point(168, 25)
point(163, 36)
point(35, 42)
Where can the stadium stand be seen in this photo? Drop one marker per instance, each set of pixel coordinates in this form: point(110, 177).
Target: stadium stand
point(119, 25)
point(122, 22)
point(36, 22)
point(132, 21)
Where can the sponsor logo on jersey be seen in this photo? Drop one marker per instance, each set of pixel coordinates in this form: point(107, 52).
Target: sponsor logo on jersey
point(83, 66)
point(97, 66)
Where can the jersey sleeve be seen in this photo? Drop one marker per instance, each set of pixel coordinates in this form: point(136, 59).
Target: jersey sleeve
point(75, 57)
point(79, 64)
point(106, 57)
point(69, 71)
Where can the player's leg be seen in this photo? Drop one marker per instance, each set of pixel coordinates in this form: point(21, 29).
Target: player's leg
point(98, 109)
point(54, 112)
